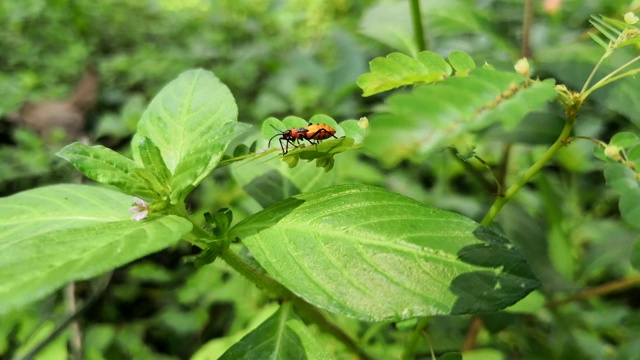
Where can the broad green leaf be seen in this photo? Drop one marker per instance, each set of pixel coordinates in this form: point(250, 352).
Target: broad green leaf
point(396, 70)
point(282, 336)
point(433, 116)
point(375, 255)
point(192, 120)
point(52, 235)
point(108, 167)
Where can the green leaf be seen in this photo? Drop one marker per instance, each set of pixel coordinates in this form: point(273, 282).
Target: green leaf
point(599, 41)
point(606, 29)
point(624, 139)
point(53, 235)
point(152, 161)
point(192, 121)
point(375, 255)
point(108, 167)
point(433, 116)
point(461, 62)
point(282, 336)
point(623, 181)
point(396, 70)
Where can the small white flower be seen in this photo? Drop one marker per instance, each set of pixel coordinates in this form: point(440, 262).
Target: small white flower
point(140, 208)
point(630, 18)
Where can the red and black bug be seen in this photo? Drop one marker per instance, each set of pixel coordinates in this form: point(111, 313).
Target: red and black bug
point(313, 133)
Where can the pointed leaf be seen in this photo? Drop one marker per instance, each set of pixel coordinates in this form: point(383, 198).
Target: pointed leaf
point(282, 336)
point(599, 41)
point(192, 120)
point(108, 167)
point(52, 235)
point(375, 255)
point(605, 29)
point(152, 161)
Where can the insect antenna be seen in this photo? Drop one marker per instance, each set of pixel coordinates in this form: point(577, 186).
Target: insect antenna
point(275, 136)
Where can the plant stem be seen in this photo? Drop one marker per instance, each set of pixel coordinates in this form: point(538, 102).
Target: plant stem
point(311, 314)
point(410, 348)
point(533, 170)
point(76, 333)
point(527, 20)
point(255, 275)
point(611, 77)
point(593, 72)
point(418, 30)
point(101, 285)
point(597, 291)
point(472, 333)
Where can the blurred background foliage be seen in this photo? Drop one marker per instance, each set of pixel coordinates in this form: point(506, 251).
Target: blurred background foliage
point(301, 58)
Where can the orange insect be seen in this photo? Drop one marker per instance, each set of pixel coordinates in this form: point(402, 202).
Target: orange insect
point(311, 133)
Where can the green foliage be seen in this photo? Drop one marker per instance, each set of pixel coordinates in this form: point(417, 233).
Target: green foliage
point(396, 70)
point(192, 120)
point(376, 272)
point(310, 242)
point(323, 153)
point(53, 235)
point(282, 336)
point(432, 117)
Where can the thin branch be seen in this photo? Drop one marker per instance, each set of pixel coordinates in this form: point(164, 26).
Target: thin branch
point(470, 169)
point(533, 170)
point(527, 21)
point(101, 286)
point(499, 189)
point(604, 289)
point(504, 163)
point(76, 332)
point(472, 333)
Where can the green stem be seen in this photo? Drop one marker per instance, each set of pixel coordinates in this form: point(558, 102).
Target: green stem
point(311, 314)
point(255, 275)
point(593, 72)
point(533, 170)
point(410, 348)
point(418, 30)
point(611, 77)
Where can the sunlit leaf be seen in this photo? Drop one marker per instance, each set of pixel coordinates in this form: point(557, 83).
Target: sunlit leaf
point(52, 235)
point(192, 121)
point(375, 255)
